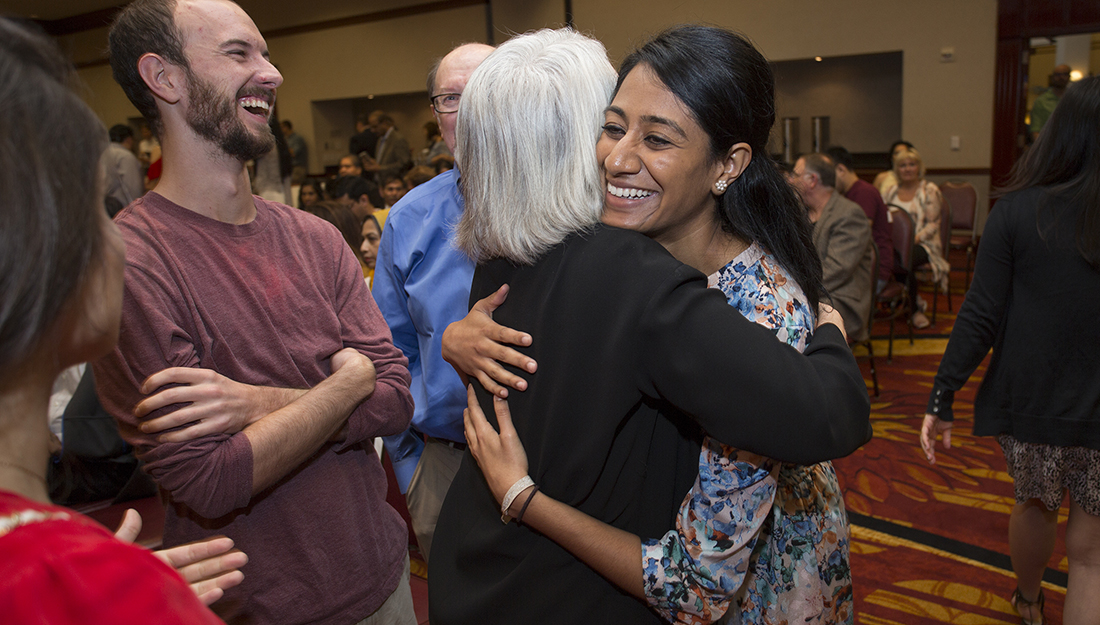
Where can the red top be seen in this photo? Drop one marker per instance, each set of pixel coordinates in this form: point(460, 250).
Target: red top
point(61, 567)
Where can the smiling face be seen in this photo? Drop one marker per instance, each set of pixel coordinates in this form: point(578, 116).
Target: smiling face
point(371, 239)
point(656, 163)
point(908, 169)
point(231, 83)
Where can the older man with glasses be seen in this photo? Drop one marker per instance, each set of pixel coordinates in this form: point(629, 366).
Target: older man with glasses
point(422, 284)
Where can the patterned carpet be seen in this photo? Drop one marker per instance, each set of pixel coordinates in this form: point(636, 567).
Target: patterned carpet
point(930, 543)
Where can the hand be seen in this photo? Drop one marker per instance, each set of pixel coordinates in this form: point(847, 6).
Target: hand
point(349, 361)
point(501, 456)
point(932, 427)
point(828, 314)
point(476, 346)
point(217, 405)
point(209, 566)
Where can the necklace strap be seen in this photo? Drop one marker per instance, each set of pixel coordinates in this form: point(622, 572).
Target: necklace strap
point(38, 476)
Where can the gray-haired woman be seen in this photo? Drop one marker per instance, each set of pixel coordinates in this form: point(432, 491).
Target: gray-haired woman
point(634, 351)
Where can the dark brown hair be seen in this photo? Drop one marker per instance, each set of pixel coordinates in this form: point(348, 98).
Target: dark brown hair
point(144, 26)
point(1066, 160)
point(49, 198)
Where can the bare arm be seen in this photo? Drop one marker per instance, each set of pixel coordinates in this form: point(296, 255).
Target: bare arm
point(287, 437)
point(478, 346)
point(613, 553)
point(216, 404)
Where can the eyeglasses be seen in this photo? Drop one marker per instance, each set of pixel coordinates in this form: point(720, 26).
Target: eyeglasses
point(446, 102)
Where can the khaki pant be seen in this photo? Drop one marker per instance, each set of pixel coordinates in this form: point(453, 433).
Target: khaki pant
point(398, 607)
point(430, 483)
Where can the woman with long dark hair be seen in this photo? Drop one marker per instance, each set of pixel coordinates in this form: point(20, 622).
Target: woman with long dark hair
point(1034, 301)
point(61, 268)
point(683, 160)
point(311, 192)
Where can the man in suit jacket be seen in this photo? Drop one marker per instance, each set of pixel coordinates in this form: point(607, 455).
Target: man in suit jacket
point(392, 156)
point(842, 236)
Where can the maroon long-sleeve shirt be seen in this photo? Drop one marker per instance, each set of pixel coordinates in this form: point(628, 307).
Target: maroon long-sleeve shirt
point(265, 303)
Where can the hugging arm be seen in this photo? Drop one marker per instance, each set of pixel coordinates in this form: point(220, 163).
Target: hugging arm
point(477, 346)
point(747, 389)
point(612, 552)
point(696, 574)
point(776, 402)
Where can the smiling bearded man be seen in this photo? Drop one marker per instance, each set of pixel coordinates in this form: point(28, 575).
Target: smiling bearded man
point(216, 119)
point(253, 368)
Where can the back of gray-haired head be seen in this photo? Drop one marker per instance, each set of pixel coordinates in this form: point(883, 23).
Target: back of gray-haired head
point(526, 137)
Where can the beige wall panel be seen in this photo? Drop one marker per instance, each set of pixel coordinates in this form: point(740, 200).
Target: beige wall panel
point(105, 97)
point(512, 17)
point(377, 58)
point(939, 100)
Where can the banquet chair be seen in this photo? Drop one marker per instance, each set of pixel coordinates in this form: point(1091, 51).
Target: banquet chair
point(964, 202)
point(895, 295)
point(866, 340)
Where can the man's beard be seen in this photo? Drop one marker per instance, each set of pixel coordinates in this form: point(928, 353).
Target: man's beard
point(215, 119)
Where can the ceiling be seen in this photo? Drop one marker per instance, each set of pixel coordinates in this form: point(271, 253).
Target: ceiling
point(67, 16)
point(54, 9)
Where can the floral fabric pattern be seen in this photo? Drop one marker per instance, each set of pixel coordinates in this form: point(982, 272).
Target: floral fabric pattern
point(756, 540)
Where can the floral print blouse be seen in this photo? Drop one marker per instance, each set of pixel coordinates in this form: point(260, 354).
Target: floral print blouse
point(765, 541)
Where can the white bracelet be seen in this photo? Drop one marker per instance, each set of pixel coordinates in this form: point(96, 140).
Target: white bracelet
point(513, 492)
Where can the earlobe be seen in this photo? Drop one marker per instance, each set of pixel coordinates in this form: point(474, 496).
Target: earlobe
point(162, 78)
point(733, 165)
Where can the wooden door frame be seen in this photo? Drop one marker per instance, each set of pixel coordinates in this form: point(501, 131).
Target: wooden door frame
point(1017, 22)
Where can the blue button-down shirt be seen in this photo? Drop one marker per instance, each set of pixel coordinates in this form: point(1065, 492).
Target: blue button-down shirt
point(422, 284)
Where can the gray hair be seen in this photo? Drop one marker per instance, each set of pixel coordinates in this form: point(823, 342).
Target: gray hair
point(526, 137)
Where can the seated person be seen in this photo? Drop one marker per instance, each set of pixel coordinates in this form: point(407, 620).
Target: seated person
point(354, 193)
point(886, 179)
point(921, 198)
point(869, 199)
point(842, 237)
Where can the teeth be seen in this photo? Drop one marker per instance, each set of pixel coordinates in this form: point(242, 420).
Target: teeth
point(255, 103)
point(627, 193)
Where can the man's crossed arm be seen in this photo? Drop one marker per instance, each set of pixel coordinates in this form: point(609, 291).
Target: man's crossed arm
point(284, 426)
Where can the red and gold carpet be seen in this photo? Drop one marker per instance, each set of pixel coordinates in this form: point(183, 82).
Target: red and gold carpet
point(930, 543)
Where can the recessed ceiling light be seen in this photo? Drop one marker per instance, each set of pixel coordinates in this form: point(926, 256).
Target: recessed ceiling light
point(817, 58)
